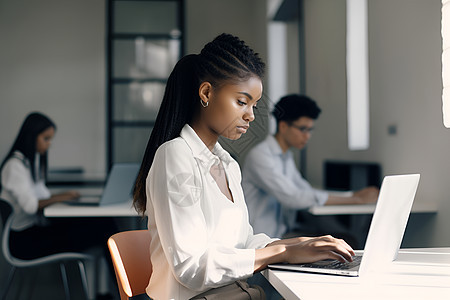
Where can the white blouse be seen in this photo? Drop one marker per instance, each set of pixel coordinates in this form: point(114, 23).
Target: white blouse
point(200, 239)
point(19, 189)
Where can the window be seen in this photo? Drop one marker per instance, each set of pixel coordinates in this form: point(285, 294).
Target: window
point(145, 40)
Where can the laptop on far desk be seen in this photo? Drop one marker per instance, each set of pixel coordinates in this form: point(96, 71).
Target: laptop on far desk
point(385, 234)
point(118, 186)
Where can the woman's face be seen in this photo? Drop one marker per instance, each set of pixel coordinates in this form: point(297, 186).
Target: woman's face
point(44, 140)
point(230, 107)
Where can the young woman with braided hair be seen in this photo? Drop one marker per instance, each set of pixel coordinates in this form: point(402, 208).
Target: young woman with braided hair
point(189, 186)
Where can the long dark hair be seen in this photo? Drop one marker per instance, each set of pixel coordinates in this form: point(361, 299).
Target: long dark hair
point(225, 59)
point(33, 125)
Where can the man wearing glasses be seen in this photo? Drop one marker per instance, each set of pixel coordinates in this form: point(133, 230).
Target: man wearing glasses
point(274, 188)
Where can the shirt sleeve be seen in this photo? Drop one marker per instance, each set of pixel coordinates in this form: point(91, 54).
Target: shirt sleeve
point(320, 196)
point(174, 189)
point(258, 241)
point(16, 179)
point(263, 172)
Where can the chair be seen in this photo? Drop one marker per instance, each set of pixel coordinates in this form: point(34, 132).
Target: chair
point(7, 215)
point(130, 253)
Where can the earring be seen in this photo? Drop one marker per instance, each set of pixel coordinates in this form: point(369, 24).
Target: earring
point(203, 103)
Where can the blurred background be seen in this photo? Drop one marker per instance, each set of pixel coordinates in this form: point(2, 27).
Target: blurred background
point(98, 69)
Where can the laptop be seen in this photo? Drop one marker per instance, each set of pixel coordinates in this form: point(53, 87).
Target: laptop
point(385, 234)
point(118, 186)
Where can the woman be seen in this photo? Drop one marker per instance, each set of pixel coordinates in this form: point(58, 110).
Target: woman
point(190, 187)
point(23, 176)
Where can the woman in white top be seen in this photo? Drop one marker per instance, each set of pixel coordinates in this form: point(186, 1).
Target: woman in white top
point(189, 186)
point(23, 176)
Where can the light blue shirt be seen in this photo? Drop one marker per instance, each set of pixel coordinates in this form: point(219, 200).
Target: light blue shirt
point(274, 189)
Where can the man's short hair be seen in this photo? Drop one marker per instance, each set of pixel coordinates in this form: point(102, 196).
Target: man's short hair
point(292, 107)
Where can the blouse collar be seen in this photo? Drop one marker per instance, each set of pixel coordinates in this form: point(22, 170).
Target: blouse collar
point(200, 151)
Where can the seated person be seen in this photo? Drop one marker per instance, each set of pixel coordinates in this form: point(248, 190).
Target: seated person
point(22, 184)
point(202, 245)
point(274, 188)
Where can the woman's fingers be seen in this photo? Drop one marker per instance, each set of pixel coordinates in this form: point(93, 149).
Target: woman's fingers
point(336, 256)
point(344, 252)
point(336, 248)
point(323, 247)
point(346, 246)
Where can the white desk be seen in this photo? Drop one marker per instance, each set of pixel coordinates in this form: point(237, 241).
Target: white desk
point(363, 209)
point(65, 210)
point(409, 278)
point(360, 216)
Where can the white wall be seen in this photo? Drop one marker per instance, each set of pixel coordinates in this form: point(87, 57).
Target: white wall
point(52, 59)
point(405, 91)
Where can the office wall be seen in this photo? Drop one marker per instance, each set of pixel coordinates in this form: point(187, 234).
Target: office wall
point(405, 91)
point(52, 60)
point(205, 19)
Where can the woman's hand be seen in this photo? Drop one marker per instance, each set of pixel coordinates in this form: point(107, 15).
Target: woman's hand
point(318, 248)
point(69, 195)
point(62, 197)
point(303, 250)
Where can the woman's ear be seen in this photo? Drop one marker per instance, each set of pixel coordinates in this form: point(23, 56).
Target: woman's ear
point(204, 91)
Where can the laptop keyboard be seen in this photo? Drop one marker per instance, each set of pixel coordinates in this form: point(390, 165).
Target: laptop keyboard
point(335, 264)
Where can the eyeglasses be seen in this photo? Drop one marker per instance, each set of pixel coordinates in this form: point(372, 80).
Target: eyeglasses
point(303, 129)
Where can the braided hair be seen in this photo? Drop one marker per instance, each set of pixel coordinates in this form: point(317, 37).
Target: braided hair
point(226, 59)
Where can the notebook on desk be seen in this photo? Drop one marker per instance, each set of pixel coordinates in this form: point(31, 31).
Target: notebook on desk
point(118, 186)
point(385, 234)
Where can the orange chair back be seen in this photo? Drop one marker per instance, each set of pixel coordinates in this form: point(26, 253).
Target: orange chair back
point(130, 253)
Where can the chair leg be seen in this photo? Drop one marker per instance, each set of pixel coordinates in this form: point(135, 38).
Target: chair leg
point(12, 271)
point(83, 278)
point(64, 279)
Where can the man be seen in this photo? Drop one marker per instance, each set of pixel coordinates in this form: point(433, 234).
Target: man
point(274, 188)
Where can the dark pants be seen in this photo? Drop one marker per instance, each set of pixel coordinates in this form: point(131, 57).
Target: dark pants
point(239, 290)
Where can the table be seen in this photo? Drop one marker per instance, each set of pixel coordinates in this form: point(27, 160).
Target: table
point(125, 209)
point(360, 216)
point(362, 209)
point(416, 274)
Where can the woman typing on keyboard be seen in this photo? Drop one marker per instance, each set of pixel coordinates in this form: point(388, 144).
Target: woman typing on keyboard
point(190, 187)
point(23, 185)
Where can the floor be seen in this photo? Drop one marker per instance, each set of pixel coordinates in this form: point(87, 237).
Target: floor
point(45, 283)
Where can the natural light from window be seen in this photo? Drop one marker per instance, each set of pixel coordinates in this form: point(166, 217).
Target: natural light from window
point(357, 75)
